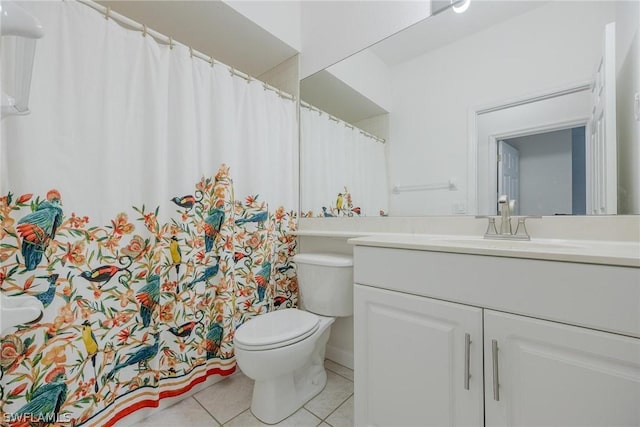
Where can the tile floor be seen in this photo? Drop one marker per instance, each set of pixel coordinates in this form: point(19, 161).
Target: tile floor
point(227, 404)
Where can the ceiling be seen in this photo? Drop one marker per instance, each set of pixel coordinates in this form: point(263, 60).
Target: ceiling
point(447, 27)
point(332, 95)
point(328, 93)
point(211, 27)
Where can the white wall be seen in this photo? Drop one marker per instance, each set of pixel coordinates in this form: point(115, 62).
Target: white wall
point(374, 83)
point(375, 125)
point(545, 173)
point(627, 85)
point(333, 30)
point(284, 76)
point(434, 92)
point(329, 31)
point(280, 18)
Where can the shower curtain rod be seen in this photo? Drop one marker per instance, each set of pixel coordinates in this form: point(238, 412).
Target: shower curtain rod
point(168, 41)
point(335, 119)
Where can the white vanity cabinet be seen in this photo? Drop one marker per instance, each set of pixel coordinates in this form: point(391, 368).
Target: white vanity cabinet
point(552, 343)
point(418, 361)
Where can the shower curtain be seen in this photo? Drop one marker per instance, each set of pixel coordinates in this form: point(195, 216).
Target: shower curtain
point(343, 171)
point(147, 202)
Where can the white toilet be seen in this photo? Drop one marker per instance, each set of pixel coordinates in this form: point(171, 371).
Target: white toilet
point(283, 351)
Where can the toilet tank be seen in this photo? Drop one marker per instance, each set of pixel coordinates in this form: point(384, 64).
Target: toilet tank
point(325, 282)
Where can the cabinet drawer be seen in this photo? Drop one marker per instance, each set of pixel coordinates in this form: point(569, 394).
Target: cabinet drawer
point(595, 296)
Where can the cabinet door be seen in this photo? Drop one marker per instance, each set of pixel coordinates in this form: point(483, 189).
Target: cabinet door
point(410, 361)
point(550, 374)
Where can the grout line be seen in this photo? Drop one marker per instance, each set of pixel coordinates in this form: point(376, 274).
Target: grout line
point(305, 409)
point(338, 373)
point(206, 410)
point(236, 416)
point(337, 407)
point(313, 413)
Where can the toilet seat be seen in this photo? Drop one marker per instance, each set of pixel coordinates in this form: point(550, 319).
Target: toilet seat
point(276, 329)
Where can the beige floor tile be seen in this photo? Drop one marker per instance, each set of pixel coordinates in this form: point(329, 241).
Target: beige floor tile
point(228, 398)
point(302, 418)
point(185, 413)
point(339, 369)
point(337, 390)
point(245, 419)
point(343, 416)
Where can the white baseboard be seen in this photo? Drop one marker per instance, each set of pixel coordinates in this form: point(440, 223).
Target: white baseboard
point(338, 355)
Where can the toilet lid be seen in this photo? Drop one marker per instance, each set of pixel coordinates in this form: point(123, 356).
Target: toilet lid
point(276, 329)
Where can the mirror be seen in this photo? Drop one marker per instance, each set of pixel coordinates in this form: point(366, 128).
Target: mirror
point(533, 99)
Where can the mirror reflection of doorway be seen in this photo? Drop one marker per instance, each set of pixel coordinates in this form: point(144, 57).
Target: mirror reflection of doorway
point(591, 105)
point(509, 173)
point(545, 173)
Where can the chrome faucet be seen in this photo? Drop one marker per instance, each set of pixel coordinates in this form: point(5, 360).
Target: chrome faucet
point(505, 211)
point(506, 231)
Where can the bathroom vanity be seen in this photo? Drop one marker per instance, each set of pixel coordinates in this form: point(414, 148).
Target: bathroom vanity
point(467, 332)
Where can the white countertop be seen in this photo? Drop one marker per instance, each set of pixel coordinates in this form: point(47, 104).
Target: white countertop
point(340, 234)
point(581, 251)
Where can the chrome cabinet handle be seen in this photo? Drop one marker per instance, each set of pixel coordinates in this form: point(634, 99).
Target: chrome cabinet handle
point(467, 360)
point(496, 382)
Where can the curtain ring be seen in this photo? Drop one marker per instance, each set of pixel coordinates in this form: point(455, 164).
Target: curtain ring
point(211, 61)
point(170, 43)
point(107, 13)
point(144, 30)
point(190, 51)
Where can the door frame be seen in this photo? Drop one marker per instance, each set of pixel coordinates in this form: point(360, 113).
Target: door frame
point(473, 195)
point(493, 140)
point(602, 182)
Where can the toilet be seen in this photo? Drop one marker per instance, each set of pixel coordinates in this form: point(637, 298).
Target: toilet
point(283, 351)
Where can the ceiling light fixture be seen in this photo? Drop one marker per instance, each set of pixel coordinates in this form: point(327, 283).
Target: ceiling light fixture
point(460, 6)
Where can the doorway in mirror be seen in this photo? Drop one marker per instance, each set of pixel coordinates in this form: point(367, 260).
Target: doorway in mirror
point(545, 173)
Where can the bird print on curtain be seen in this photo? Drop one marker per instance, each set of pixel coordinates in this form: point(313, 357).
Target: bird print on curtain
point(149, 304)
point(38, 228)
point(91, 345)
point(46, 401)
point(342, 207)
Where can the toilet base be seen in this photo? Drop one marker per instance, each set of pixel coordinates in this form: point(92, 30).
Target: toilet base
point(278, 398)
point(275, 400)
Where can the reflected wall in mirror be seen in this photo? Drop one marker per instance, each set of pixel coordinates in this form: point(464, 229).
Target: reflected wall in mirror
point(450, 93)
point(345, 167)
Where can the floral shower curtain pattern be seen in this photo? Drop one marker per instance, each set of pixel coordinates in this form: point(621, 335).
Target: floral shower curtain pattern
point(136, 302)
point(145, 267)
